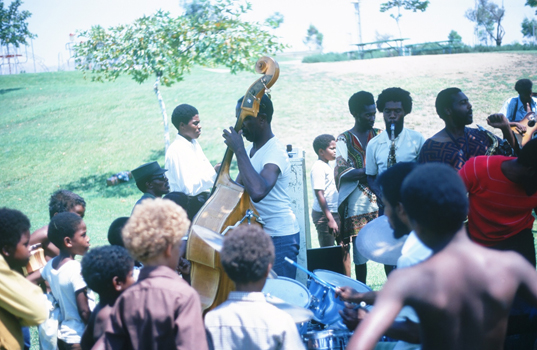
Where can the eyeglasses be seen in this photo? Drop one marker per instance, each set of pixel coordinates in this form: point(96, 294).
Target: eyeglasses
point(161, 177)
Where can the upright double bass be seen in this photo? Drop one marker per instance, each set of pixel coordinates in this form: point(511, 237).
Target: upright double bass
point(226, 206)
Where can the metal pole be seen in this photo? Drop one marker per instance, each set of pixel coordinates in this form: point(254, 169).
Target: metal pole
point(359, 19)
point(33, 56)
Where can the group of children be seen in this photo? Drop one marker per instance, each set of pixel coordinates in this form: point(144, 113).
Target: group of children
point(158, 311)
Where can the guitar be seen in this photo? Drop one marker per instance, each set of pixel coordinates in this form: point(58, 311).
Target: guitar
point(531, 129)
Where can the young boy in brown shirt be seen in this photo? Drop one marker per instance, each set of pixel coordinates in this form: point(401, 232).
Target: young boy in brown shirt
point(160, 311)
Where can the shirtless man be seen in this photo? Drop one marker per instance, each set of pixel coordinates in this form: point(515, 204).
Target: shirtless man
point(456, 293)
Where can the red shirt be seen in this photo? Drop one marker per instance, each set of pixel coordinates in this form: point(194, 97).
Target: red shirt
point(499, 208)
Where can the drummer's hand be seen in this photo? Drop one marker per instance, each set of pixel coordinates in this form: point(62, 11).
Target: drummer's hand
point(347, 294)
point(233, 139)
point(351, 316)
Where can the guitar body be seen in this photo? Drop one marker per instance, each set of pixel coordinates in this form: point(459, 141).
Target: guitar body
point(528, 135)
point(226, 206)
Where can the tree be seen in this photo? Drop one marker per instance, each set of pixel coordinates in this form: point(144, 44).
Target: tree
point(529, 28)
point(412, 5)
point(488, 17)
point(314, 38)
point(275, 20)
point(167, 47)
point(13, 26)
point(532, 3)
point(454, 36)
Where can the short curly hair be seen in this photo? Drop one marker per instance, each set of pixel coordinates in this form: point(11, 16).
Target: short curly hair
point(153, 225)
point(395, 94)
point(434, 195)
point(64, 200)
point(13, 224)
point(100, 265)
point(359, 101)
point(322, 142)
point(62, 225)
point(247, 253)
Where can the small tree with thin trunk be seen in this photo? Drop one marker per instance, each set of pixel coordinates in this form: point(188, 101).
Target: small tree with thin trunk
point(166, 47)
point(488, 17)
point(412, 5)
point(13, 26)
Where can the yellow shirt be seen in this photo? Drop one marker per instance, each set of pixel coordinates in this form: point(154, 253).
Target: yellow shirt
point(21, 304)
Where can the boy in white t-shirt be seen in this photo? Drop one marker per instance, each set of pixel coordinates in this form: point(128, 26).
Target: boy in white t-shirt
point(67, 231)
point(325, 196)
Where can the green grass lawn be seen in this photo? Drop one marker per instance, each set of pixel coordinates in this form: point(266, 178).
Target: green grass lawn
point(58, 130)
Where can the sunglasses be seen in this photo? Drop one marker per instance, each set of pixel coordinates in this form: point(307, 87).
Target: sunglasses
point(161, 177)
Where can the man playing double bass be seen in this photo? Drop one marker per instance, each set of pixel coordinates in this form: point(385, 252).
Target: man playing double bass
point(264, 171)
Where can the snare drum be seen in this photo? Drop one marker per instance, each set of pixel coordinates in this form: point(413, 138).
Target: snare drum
point(330, 339)
point(289, 290)
point(325, 305)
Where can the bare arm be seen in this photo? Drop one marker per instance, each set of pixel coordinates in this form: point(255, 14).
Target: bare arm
point(258, 185)
point(389, 302)
point(82, 305)
point(324, 207)
point(351, 295)
point(499, 121)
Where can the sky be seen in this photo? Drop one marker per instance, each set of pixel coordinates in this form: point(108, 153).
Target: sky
point(54, 20)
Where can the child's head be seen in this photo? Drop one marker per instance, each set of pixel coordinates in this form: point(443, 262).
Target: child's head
point(114, 231)
point(325, 147)
point(108, 270)
point(434, 197)
point(14, 237)
point(67, 231)
point(154, 225)
point(247, 254)
point(63, 200)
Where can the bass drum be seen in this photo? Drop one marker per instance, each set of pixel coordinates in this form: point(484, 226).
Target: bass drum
point(325, 305)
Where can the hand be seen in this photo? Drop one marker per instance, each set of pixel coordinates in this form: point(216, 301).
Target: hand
point(348, 294)
point(352, 317)
point(332, 226)
point(498, 121)
point(217, 167)
point(520, 128)
point(184, 266)
point(233, 139)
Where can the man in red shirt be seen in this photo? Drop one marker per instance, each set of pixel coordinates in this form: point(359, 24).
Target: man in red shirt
point(502, 193)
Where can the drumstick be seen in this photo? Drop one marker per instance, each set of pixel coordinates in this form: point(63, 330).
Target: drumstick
point(311, 274)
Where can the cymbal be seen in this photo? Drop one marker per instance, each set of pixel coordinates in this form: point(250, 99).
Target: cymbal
point(376, 242)
point(216, 241)
point(299, 314)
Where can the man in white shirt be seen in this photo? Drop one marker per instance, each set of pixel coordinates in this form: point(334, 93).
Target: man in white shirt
point(189, 171)
point(516, 108)
point(390, 147)
point(412, 253)
point(264, 171)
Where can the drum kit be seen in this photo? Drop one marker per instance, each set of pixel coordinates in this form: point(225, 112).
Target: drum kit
point(315, 308)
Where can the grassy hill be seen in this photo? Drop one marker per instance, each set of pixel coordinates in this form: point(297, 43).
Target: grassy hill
point(58, 130)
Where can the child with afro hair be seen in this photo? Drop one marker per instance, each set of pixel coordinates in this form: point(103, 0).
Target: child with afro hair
point(107, 270)
point(246, 320)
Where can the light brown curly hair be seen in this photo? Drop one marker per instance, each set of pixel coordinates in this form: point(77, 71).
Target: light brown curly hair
point(153, 225)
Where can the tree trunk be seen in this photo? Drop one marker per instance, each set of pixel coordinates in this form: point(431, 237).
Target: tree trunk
point(164, 114)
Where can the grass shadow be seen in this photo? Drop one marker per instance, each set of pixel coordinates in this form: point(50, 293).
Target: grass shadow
point(97, 183)
point(155, 155)
point(5, 91)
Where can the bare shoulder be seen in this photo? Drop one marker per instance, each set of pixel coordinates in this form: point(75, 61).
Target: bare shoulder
point(39, 235)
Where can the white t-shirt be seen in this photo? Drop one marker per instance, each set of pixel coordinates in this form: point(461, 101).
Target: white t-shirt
point(275, 208)
point(322, 178)
point(407, 148)
point(64, 282)
point(412, 253)
point(189, 170)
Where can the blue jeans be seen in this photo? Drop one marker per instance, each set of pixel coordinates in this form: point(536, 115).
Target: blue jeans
point(286, 246)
